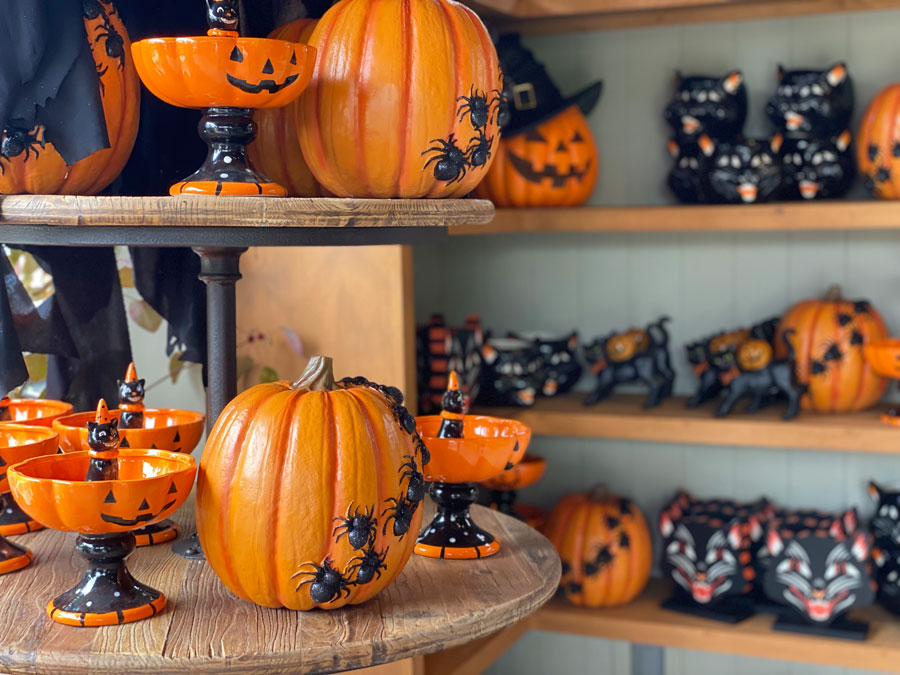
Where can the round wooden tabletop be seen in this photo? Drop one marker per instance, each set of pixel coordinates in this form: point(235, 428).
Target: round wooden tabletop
point(434, 604)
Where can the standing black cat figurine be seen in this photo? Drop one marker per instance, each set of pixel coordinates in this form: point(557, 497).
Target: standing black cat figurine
point(885, 525)
point(813, 103)
point(711, 105)
point(817, 168)
point(511, 372)
point(746, 171)
point(103, 440)
point(131, 400)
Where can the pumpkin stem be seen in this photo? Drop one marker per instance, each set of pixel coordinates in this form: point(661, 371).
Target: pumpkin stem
point(318, 376)
point(833, 294)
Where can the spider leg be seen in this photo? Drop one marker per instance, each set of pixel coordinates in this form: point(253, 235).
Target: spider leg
point(300, 571)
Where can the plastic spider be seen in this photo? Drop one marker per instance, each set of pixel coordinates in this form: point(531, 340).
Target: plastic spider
point(326, 583)
point(359, 526)
point(450, 163)
point(476, 106)
point(415, 488)
point(114, 44)
point(479, 150)
point(16, 141)
point(367, 566)
point(401, 512)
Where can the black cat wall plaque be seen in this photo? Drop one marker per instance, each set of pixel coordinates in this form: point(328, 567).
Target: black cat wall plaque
point(716, 106)
point(746, 171)
point(817, 168)
point(813, 103)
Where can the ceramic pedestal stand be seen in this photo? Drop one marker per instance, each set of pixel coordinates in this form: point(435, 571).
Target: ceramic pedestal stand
point(504, 486)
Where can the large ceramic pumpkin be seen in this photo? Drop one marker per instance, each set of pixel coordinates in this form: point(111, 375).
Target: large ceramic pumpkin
point(605, 548)
point(878, 144)
point(829, 339)
point(308, 492)
point(403, 101)
point(276, 150)
point(553, 164)
point(27, 167)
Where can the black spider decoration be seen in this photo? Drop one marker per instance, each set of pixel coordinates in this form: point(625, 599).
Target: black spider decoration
point(401, 511)
point(407, 421)
point(479, 150)
point(16, 141)
point(856, 339)
point(500, 103)
point(415, 488)
point(423, 450)
point(326, 583)
point(92, 9)
point(602, 559)
point(477, 107)
point(861, 306)
point(359, 526)
point(367, 566)
point(833, 353)
point(450, 162)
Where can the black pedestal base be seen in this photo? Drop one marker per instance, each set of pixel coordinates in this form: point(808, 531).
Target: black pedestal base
point(13, 520)
point(189, 547)
point(727, 611)
point(841, 628)
point(452, 533)
point(107, 594)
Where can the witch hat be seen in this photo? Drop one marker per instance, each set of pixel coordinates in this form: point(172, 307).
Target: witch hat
point(453, 381)
point(102, 413)
point(131, 373)
point(533, 97)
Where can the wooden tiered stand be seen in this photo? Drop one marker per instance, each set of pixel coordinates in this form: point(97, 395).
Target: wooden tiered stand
point(433, 605)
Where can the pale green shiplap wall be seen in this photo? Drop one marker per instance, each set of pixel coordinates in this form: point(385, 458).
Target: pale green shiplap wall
point(704, 281)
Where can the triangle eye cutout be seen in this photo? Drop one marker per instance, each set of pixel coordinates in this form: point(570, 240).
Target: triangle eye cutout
point(535, 135)
point(2, 462)
point(124, 443)
point(577, 138)
point(172, 488)
point(153, 446)
point(237, 55)
point(177, 437)
point(110, 498)
point(268, 69)
point(561, 147)
point(294, 59)
point(144, 506)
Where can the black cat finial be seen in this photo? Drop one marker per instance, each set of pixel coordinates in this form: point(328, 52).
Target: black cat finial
point(131, 399)
point(103, 439)
point(222, 15)
point(453, 407)
point(5, 414)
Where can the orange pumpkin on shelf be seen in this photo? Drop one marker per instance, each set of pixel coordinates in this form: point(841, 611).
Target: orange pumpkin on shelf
point(308, 492)
point(29, 162)
point(876, 146)
point(553, 164)
point(605, 548)
point(754, 355)
point(404, 100)
point(831, 334)
point(276, 150)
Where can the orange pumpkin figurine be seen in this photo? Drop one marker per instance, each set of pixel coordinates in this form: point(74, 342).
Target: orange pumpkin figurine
point(464, 449)
point(104, 495)
point(225, 75)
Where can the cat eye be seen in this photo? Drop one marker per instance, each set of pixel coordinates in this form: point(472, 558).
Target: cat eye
point(565, 357)
point(755, 162)
point(693, 163)
point(892, 576)
point(723, 161)
point(835, 570)
point(701, 97)
point(715, 96)
point(554, 360)
point(766, 159)
point(829, 156)
point(804, 91)
point(817, 89)
point(817, 159)
point(798, 160)
point(735, 162)
point(685, 95)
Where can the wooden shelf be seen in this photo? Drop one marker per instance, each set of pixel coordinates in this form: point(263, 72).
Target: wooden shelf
point(433, 604)
point(777, 217)
point(645, 622)
point(537, 17)
point(622, 417)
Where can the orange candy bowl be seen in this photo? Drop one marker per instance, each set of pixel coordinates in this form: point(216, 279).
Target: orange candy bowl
point(524, 474)
point(37, 411)
point(164, 429)
point(884, 357)
point(151, 485)
point(20, 441)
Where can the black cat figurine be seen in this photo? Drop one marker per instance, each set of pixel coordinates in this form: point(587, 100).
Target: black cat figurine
point(560, 368)
point(817, 169)
point(131, 400)
point(103, 440)
point(687, 178)
point(813, 103)
point(887, 574)
point(511, 372)
point(885, 525)
point(746, 171)
point(638, 355)
point(701, 104)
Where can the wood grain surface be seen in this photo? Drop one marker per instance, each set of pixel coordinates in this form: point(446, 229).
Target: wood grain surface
point(433, 605)
point(207, 211)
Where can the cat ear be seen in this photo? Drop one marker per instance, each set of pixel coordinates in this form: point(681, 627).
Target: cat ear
point(775, 143)
point(665, 524)
point(774, 543)
point(735, 536)
point(878, 557)
point(875, 491)
point(573, 339)
point(780, 72)
point(843, 141)
point(91, 425)
point(850, 520)
point(860, 546)
point(118, 383)
point(142, 382)
point(732, 81)
point(707, 145)
point(836, 74)
point(673, 148)
point(489, 354)
point(755, 528)
point(114, 422)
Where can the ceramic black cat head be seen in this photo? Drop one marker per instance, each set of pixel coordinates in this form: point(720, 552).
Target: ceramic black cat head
point(885, 525)
point(222, 14)
point(559, 363)
point(687, 178)
point(131, 392)
point(746, 171)
point(820, 576)
point(103, 436)
point(812, 102)
point(511, 372)
point(817, 169)
point(887, 575)
point(716, 106)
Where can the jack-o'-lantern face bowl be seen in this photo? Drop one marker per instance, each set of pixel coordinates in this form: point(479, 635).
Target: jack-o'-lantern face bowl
point(19, 442)
point(152, 484)
point(222, 69)
point(164, 429)
point(489, 446)
point(884, 357)
point(37, 411)
point(522, 475)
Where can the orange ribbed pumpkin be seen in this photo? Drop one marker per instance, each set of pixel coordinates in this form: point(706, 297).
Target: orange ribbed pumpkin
point(554, 164)
point(41, 170)
point(403, 102)
point(878, 144)
point(276, 150)
point(829, 339)
point(605, 548)
point(308, 493)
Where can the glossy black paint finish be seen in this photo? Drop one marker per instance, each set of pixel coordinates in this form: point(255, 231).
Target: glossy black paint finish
point(511, 373)
point(716, 106)
point(817, 168)
point(452, 526)
point(745, 171)
point(812, 103)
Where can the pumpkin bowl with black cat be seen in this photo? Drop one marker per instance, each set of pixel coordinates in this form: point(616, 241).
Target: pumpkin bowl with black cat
point(503, 488)
point(104, 495)
point(39, 412)
point(464, 450)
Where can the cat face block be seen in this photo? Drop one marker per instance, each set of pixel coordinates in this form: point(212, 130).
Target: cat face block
point(511, 372)
point(817, 169)
point(559, 362)
point(820, 576)
point(103, 436)
point(746, 172)
point(887, 575)
point(885, 525)
point(812, 102)
point(687, 178)
point(711, 105)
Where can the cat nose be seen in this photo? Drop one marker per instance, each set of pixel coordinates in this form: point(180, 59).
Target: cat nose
point(818, 595)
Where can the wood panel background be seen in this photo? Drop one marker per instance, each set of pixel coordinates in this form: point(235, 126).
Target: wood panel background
point(703, 281)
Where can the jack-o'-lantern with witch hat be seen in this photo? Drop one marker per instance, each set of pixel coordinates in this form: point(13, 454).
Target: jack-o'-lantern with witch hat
point(547, 155)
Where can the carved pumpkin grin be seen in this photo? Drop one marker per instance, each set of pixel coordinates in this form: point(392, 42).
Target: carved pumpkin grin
point(263, 85)
point(138, 519)
point(529, 173)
